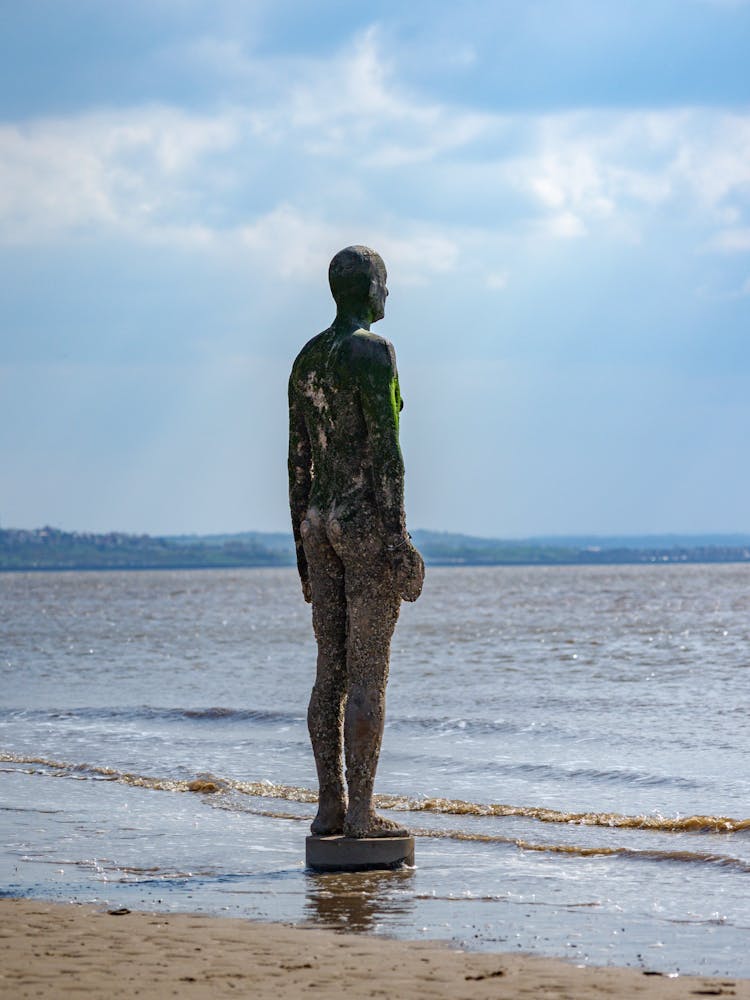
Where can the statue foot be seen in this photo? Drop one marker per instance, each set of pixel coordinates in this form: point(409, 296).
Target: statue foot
point(329, 821)
point(373, 825)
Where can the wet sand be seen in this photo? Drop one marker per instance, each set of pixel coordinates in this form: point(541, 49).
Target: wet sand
point(68, 950)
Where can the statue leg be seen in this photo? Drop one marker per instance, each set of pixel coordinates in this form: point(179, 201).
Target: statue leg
point(325, 714)
point(373, 611)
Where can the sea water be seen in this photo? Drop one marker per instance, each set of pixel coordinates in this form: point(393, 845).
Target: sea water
point(569, 744)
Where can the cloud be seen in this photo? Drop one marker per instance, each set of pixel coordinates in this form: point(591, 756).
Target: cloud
point(352, 105)
point(498, 280)
point(133, 170)
point(565, 226)
point(322, 149)
point(607, 168)
point(291, 244)
point(732, 241)
point(563, 266)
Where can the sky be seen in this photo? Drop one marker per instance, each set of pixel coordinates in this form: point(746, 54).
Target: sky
point(560, 190)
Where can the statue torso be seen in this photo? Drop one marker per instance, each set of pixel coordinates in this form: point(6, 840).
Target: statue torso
point(327, 380)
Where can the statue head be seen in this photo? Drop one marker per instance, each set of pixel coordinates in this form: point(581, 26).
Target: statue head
point(357, 278)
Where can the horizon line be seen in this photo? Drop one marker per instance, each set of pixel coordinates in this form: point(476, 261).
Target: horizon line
point(537, 536)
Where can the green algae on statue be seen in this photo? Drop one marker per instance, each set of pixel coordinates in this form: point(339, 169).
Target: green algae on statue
point(355, 558)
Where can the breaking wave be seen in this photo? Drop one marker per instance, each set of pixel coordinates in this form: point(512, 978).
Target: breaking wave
point(211, 784)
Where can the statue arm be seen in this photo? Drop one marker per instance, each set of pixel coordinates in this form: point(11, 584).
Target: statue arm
point(299, 466)
point(381, 404)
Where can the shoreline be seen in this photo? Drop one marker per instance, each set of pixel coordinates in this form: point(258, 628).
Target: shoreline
point(431, 562)
point(50, 949)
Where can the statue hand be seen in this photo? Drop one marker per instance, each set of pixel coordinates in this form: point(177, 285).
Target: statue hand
point(408, 567)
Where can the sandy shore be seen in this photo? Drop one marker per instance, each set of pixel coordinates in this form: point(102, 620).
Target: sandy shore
point(66, 950)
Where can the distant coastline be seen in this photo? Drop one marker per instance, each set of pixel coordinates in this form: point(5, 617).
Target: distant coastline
point(52, 549)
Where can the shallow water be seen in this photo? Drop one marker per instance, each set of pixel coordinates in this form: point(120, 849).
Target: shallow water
point(569, 743)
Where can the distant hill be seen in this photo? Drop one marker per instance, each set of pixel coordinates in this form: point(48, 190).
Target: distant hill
point(448, 548)
point(50, 548)
point(452, 549)
point(277, 541)
point(645, 542)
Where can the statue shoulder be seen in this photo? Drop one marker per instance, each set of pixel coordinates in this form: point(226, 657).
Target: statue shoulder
point(308, 356)
point(368, 350)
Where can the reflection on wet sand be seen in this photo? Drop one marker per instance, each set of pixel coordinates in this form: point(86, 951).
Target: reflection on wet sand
point(359, 901)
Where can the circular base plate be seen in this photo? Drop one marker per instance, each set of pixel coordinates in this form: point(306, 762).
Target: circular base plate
point(347, 854)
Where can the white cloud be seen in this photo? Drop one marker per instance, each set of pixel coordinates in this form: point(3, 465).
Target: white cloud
point(351, 106)
point(716, 164)
point(418, 254)
point(607, 168)
point(498, 280)
point(732, 240)
point(323, 147)
point(292, 244)
point(126, 170)
point(287, 241)
point(565, 225)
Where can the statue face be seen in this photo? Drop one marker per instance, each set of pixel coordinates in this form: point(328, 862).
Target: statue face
point(378, 295)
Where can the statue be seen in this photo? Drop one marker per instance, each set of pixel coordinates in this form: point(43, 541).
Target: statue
point(355, 558)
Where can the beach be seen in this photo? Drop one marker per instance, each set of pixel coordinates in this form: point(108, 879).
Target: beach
point(567, 744)
point(55, 950)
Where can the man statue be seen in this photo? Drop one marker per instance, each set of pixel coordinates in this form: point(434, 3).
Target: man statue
point(354, 555)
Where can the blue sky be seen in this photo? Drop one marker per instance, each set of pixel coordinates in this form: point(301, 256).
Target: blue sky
point(561, 192)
